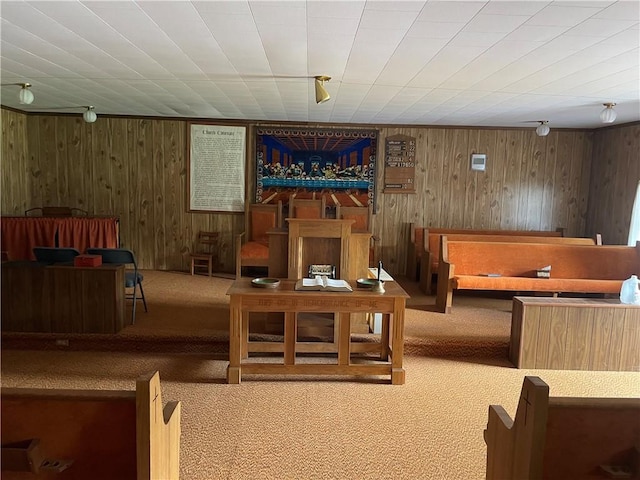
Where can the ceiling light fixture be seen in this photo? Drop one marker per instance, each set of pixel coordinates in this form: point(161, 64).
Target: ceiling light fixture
point(321, 93)
point(25, 95)
point(608, 115)
point(90, 115)
point(543, 129)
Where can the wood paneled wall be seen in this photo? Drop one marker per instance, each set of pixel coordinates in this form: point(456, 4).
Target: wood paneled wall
point(614, 181)
point(530, 183)
point(136, 169)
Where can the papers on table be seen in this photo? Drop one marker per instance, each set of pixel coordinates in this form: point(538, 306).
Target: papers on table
point(384, 276)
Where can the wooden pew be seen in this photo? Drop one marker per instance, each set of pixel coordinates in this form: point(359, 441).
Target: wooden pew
point(418, 237)
point(90, 434)
point(502, 266)
point(429, 258)
point(561, 438)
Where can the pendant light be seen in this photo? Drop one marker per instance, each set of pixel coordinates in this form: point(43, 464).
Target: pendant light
point(543, 129)
point(25, 96)
point(90, 115)
point(608, 115)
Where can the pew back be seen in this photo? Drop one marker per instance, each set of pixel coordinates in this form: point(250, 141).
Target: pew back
point(605, 262)
point(104, 434)
point(502, 266)
point(418, 237)
point(558, 438)
point(430, 258)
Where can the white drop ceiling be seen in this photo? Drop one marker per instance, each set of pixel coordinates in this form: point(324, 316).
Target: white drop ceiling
point(457, 63)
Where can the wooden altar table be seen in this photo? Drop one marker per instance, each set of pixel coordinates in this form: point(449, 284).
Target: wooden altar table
point(245, 299)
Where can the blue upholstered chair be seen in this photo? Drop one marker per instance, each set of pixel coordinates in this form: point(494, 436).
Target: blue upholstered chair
point(132, 279)
point(55, 255)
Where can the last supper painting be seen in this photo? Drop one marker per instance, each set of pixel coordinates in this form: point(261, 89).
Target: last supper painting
point(337, 164)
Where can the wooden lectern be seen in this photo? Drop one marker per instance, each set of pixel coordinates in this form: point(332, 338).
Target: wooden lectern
point(321, 241)
point(318, 241)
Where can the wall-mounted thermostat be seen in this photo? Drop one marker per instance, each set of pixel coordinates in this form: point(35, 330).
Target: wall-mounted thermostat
point(478, 162)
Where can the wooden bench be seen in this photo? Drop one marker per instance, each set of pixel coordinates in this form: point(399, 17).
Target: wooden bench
point(96, 434)
point(418, 237)
point(429, 258)
point(506, 266)
point(561, 438)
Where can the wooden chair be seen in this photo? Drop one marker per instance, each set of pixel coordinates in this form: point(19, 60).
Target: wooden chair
point(362, 216)
point(204, 256)
point(252, 246)
point(308, 208)
point(363, 219)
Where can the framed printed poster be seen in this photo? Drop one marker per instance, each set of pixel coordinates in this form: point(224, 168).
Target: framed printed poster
point(216, 166)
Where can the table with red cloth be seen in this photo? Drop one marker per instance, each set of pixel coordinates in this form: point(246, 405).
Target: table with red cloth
point(20, 234)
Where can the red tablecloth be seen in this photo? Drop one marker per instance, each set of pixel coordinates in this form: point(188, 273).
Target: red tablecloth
point(20, 234)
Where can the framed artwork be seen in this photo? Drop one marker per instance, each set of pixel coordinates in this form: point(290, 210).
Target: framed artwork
point(339, 164)
point(216, 167)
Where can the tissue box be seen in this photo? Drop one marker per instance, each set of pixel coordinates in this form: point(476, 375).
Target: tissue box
point(87, 261)
point(544, 272)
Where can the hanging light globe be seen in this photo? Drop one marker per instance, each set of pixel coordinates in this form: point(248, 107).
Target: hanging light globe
point(25, 96)
point(608, 115)
point(90, 115)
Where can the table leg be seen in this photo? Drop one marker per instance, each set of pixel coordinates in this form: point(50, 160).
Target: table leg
point(245, 335)
point(336, 328)
point(384, 338)
point(290, 334)
point(234, 373)
point(344, 340)
point(397, 343)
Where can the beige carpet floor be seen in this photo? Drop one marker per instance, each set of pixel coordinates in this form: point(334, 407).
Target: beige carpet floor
point(307, 427)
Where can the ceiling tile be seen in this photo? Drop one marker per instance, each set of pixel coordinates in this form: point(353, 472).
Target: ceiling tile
point(485, 63)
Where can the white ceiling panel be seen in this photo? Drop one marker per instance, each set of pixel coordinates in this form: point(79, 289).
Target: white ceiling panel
point(446, 63)
point(475, 63)
point(442, 30)
point(444, 11)
point(601, 28)
point(387, 19)
point(408, 60)
point(336, 8)
point(565, 14)
point(495, 23)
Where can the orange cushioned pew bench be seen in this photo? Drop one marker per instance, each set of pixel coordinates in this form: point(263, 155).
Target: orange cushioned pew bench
point(419, 238)
point(563, 438)
point(502, 266)
point(429, 259)
point(90, 434)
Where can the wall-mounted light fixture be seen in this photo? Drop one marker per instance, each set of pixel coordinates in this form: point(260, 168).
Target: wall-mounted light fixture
point(608, 115)
point(321, 93)
point(90, 115)
point(543, 129)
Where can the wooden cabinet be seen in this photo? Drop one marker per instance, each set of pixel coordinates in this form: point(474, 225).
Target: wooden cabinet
point(62, 299)
point(575, 334)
